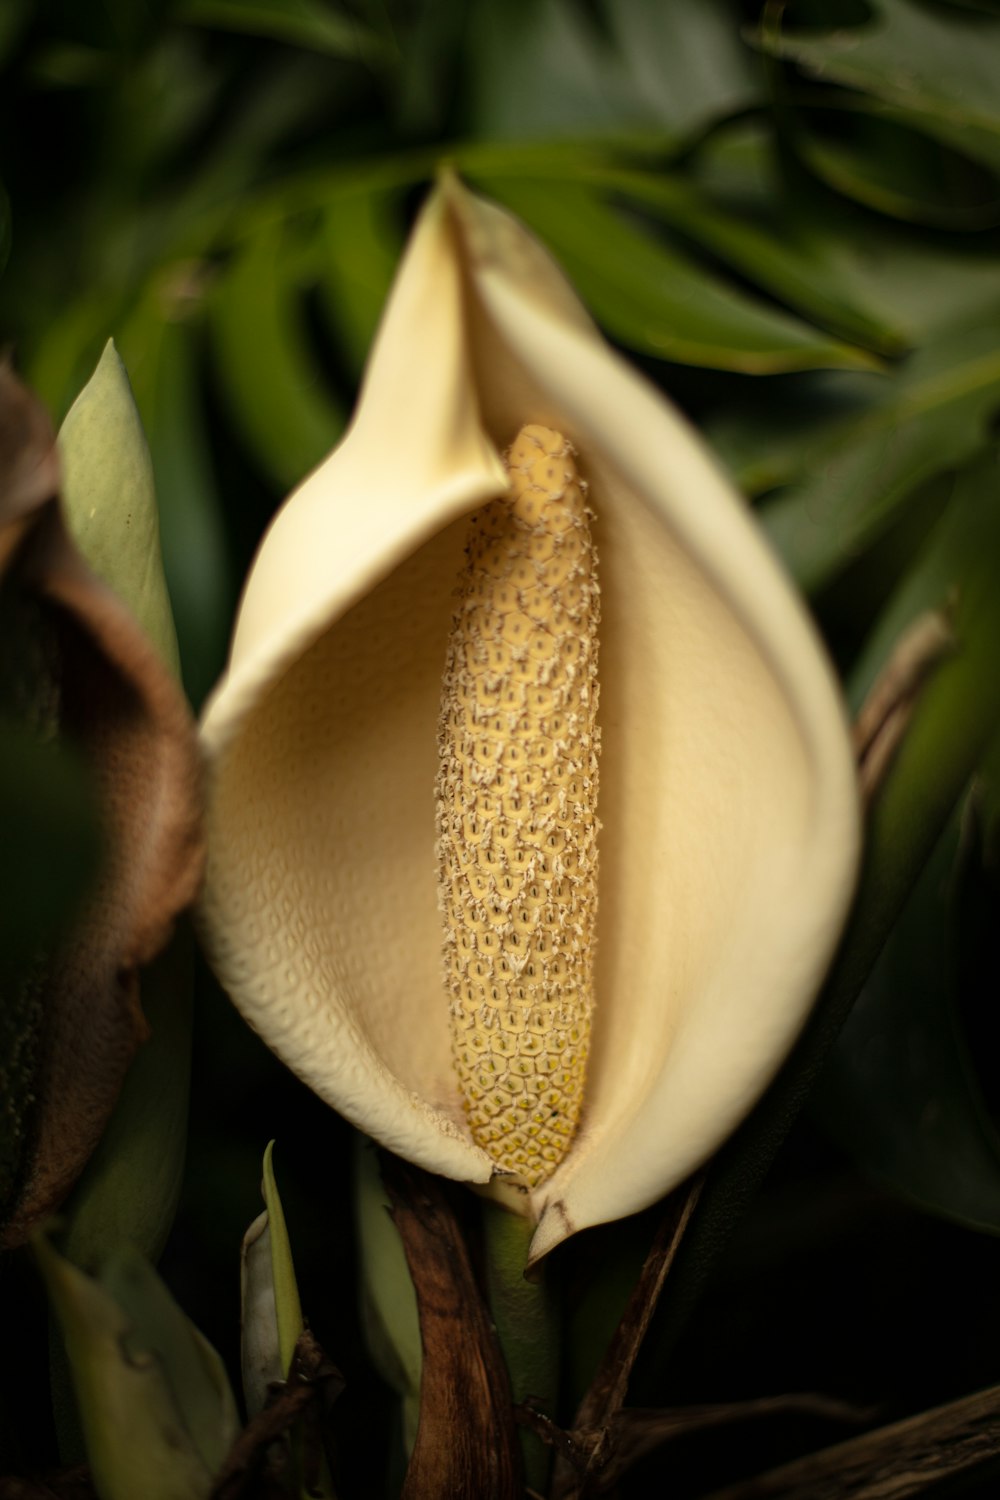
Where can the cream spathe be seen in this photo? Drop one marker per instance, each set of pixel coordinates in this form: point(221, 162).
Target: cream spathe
point(728, 800)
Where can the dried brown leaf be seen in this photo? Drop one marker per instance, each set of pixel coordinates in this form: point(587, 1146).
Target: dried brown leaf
point(960, 1439)
point(84, 673)
point(467, 1445)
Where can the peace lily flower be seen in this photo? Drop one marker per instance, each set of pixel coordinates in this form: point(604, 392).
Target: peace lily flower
point(728, 809)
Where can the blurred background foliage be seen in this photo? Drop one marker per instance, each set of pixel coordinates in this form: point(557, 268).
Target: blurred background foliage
point(789, 217)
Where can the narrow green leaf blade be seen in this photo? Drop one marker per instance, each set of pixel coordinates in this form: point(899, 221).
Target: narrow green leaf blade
point(935, 414)
point(361, 243)
point(304, 23)
point(797, 268)
point(288, 1307)
point(109, 498)
point(657, 301)
point(285, 414)
point(163, 353)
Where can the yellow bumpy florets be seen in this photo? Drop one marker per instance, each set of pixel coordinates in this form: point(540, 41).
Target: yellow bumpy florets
point(517, 810)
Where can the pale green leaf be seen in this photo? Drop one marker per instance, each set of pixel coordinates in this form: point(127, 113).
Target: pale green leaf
point(109, 498)
point(162, 350)
point(124, 1363)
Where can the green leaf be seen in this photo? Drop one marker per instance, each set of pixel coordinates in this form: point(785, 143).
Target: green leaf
point(109, 498)
point(162, 352)
point(795, 264)
point(361, 239)
point(899, 1092)
point(388, 1301)
point(939, 67)
point(685, 61)
point(911, 1110)
point(272, 1313)
point(654, 299)
point(158, 1415)
point(881, 157)
point(910, 285)
point(193, 1370)
point(286, 416)
point(932, 417)
point(542, 69)
point(303, 23)
point(286, 1292)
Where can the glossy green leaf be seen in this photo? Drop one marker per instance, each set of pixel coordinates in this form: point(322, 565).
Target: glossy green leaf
point(304, 23)
point(285, 414)
point(162, 351)
point(939, 66)
point(109, 498)
point(157, 1412)
point(361, 240)
point(658, 301)
point(934, 415)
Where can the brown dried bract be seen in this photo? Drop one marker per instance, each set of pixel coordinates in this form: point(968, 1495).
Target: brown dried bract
point(466, 1446)
point(85, 674)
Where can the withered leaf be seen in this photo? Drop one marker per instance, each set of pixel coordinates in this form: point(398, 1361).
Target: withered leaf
point(466, 1445)
point(923, 1453)
point(77, 671)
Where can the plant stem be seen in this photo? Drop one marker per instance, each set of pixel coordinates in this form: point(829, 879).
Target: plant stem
point(527, 1323)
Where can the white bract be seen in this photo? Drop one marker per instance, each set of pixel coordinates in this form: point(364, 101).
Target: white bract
point(728, 805)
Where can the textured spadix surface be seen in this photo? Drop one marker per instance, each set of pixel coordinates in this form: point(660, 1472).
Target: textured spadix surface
point(728, 804)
